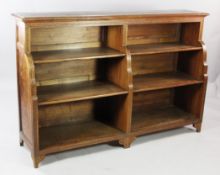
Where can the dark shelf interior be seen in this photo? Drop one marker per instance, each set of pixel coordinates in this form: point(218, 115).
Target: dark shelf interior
point(159, 119)
point(76, 134)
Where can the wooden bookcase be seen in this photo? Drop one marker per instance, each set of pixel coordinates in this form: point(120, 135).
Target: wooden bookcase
point(86, 79)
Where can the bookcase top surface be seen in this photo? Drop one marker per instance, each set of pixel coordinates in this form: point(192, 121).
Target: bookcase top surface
point(109, 14)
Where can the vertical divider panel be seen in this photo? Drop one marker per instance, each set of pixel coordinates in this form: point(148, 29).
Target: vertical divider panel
point(121, 74)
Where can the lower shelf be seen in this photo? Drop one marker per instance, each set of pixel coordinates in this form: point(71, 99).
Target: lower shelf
point(160, 119)
point(64, 137)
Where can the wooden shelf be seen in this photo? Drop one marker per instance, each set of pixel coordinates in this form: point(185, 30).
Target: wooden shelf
point(162, 81)
point(144, 49)
point(69, 136)
point(160, 119)
point(77, 91)
point(74, 54)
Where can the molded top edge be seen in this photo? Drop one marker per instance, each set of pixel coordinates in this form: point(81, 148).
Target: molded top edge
point(82, 15)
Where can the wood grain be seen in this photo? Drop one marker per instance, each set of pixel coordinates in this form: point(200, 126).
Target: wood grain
point(64, 137)
point(64, 113)
point(77, 91)
point(50, 38)
point(151, 100)
point(162, 81)
point(75, 71)
point(153, 33)
point(156, 63)
point(161, 48)
point(106, 16)
point(75, 54)
point(160, 119)
point(90, 78)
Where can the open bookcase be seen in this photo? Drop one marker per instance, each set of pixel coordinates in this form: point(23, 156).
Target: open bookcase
point(90, 79)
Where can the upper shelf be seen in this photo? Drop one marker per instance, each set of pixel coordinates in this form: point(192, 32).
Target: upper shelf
point(162, 81)
point(144, 49)
point(77, 91)
point(74, 54)
point(105, 52)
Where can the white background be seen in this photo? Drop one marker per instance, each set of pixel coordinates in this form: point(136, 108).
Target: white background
point(175, 152)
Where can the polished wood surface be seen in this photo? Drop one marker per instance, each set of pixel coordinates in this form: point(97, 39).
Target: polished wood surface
point(153, 33)
point(162, 80)
point(76, 71)
point(77, 91)
point(163, 118)
point(161, 48)
point(90, 78)
point(70, 55)
point(76, 135)
point(154, 63)
point(85, 15)
point(63, 113)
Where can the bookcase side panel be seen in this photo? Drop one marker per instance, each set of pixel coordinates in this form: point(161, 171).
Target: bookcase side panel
point(27, 89)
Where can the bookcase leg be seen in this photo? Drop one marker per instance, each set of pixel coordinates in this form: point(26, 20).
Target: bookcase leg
point(126, 142)
point(21, 142)
point(197, 126)
point(37, 160)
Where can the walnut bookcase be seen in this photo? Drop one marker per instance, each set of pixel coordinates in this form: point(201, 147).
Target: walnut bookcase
point(86, 79)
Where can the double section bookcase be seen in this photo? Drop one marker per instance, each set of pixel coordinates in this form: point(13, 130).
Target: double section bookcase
point(85, 79)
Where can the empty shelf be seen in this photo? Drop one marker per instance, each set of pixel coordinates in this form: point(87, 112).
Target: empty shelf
point(77, 91)
point(161, 48)
point(160, 119)
point(162, 81)
point(74, 54)
point(69, 136)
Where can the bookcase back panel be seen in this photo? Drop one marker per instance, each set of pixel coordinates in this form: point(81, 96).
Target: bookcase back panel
point(158, 63)
point(75, 71)
point(187, 98)
point(191, 63)
point(66, 112)
point(190, 33)
point(105, 110)
point(65, 37)
point(152, 99)
point(153, 33)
